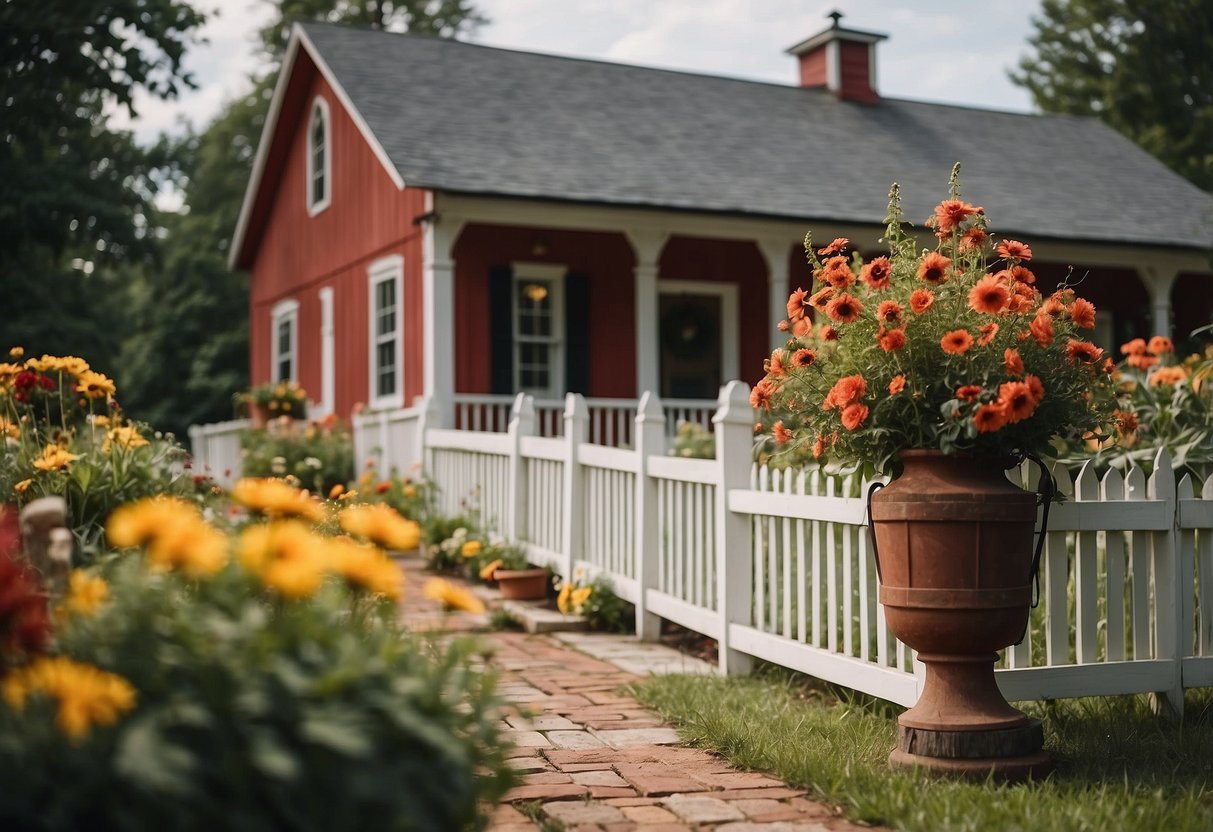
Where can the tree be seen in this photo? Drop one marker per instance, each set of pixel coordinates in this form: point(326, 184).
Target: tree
point(76, 196)
point(439, 18)
point(1145, 67)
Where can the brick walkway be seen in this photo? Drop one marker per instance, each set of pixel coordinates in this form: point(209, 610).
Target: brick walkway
point(594, 760)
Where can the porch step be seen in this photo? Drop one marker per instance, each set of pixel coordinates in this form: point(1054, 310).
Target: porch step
point(535, 618)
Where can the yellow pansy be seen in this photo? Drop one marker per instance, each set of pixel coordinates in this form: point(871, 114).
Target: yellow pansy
point(452, 597)
point(54, 458)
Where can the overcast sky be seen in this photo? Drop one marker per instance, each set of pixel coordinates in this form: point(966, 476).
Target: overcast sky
point(935, 52)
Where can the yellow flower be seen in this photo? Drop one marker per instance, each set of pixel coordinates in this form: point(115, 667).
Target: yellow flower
point(274, 498)
point(10, 429)
point(174, 533)
point(580, 596)
point(125, 436)
point(16, 352)
point(381, 524)
point(54, 458)
point(22, 486)
point(562, 600)
point(85, 593)
point(486, 571)
point(452, 597)
point(366, 567)
point(94, 385)
point(8, 374)
point(470, 549)
point(410, 491)
point(87, 695)
point(336, 491)
point(286, 555)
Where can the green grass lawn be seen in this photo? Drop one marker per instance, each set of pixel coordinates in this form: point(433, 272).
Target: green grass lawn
point(1118, 766)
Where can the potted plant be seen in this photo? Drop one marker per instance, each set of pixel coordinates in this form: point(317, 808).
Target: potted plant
point(274, 400)
point(506, 565)
point(941, 368)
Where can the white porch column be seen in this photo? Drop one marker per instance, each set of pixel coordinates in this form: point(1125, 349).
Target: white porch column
point(647, 243)
point(438, 315)
point(775, 253)
point(1158, 281)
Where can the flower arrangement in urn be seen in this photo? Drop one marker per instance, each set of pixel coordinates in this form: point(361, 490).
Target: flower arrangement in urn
point(952, 348)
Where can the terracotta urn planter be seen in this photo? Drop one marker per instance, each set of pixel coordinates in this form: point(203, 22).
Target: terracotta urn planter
point(954, 554)
point(258, 414)
point(522, 584)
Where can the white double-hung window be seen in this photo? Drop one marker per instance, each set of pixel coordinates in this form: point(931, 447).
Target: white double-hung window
point(284, 334)
point(538, 310)
point(385, 291)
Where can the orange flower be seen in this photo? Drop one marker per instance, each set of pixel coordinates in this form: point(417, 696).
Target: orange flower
point(827, 333)
point(774, 364)
point(1012, 361)
point(956, 342)
point(847, 390)
point(1142, 361)
point(889, 312)
point(1082, 313)
point(835, 247)
point(796, 305)
point(760, 396)
point(845, 308)
point(820, 297)
point(1160, 345)
point(969, 392)
point(1125, 421)
point(1023, 274)
point(1016, 400)
point(893, 339)
point(973, 239)
point(921, 300)
point(1052, 307)
point(897, 384)
point(819, 446)
point(854, 415)
point(1083, 351)
point(988, 331)
point(837, 273)
point(1168, 375)
point(804, 358)
point(934, 268)
point(989, 418)
point(1036, 386)
point(877, 273)
point(1014, 250)
point(803, 327)
point(1135, 347)
point(951, 213)
point(1042, 330)
point(989, 295)
point(782, 435)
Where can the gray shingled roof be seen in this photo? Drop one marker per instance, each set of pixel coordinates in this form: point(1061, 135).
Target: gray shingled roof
point(460, 117)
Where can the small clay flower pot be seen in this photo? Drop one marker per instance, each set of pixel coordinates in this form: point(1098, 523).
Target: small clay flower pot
point(522, 584)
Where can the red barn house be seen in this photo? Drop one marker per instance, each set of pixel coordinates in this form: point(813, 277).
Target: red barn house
point(432, 220)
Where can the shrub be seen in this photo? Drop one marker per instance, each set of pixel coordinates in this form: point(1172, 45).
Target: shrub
point(318, 455)
point(596, 602)
point(268, 690)
point(693, 441)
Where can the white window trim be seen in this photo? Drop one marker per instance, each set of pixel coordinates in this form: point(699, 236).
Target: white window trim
point(328, 368)
point(314, 207)
point(727, 292)
point(555, 273)
point(282, 311)
point(386, 268)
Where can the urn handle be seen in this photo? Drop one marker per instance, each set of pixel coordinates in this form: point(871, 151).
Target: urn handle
point(1045, 493)
point(872, 489)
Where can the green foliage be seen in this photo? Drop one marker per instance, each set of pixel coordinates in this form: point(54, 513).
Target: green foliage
point(1145, 68)
point(437, 530)
point(438, 18)
point(317, 457)
point(1117, 765)
point(258, 712)
point(693, 441)
point(412, 498)
point(597, 603)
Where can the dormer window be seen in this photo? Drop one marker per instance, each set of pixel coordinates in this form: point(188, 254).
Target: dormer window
point(319, 159)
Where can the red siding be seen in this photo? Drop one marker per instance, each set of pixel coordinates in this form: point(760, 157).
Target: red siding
point(813, 71)
point(296, 255)
point(856, 81)
point(727, 261)
point(605, 258)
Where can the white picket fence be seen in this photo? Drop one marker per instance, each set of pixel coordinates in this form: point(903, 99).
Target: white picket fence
point(775, 564)
point(215, 450)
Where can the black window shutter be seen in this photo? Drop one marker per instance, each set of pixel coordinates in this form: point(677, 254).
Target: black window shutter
point(577, 333)
point(501, 329)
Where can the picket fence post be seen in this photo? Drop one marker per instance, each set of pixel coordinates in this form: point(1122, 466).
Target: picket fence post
point(650, 441)
point(734, 427)
point(1168, 700)
point(576, 432)
point(522, 423)
point(429, 416)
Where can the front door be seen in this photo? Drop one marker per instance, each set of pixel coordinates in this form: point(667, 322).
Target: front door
point(691, 345)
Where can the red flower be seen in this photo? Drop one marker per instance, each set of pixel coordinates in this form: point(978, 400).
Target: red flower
point(835, 247)
point(804, 358)
point(1142, 361)
point(827, 333)
point(774, 364)
point(803, 327)
point(1016, 400)
point(25, 625)
point(1023, 274)
point(889, 312)
point(877, 273)
point(796, 305)
point(847, 390)
point(837, 273)
point(969, 392)
point(1012, 361)
point(989, 295)
point(956, 342)
point(989, 418)
point(1135, 347)
point(1014, 250)
point(760, 396)
point(821, 297)
point(921, 300)
point(988, 331)
point(1160, 345)
point(819, 446)
point(897, 384)
point(951, 213)
point(782, 435)
point(383, 488)
point(854, 415)
point(1083, 351)
point(892, 339)
point(845, 308)
point(934, 268)
point(973, 239)
point(1082, 313)
point(1042, 330)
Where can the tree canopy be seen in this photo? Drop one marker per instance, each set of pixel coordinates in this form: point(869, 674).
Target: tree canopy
point(1145, 67)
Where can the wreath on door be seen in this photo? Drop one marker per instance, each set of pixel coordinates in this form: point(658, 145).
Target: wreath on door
point(688, 331)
